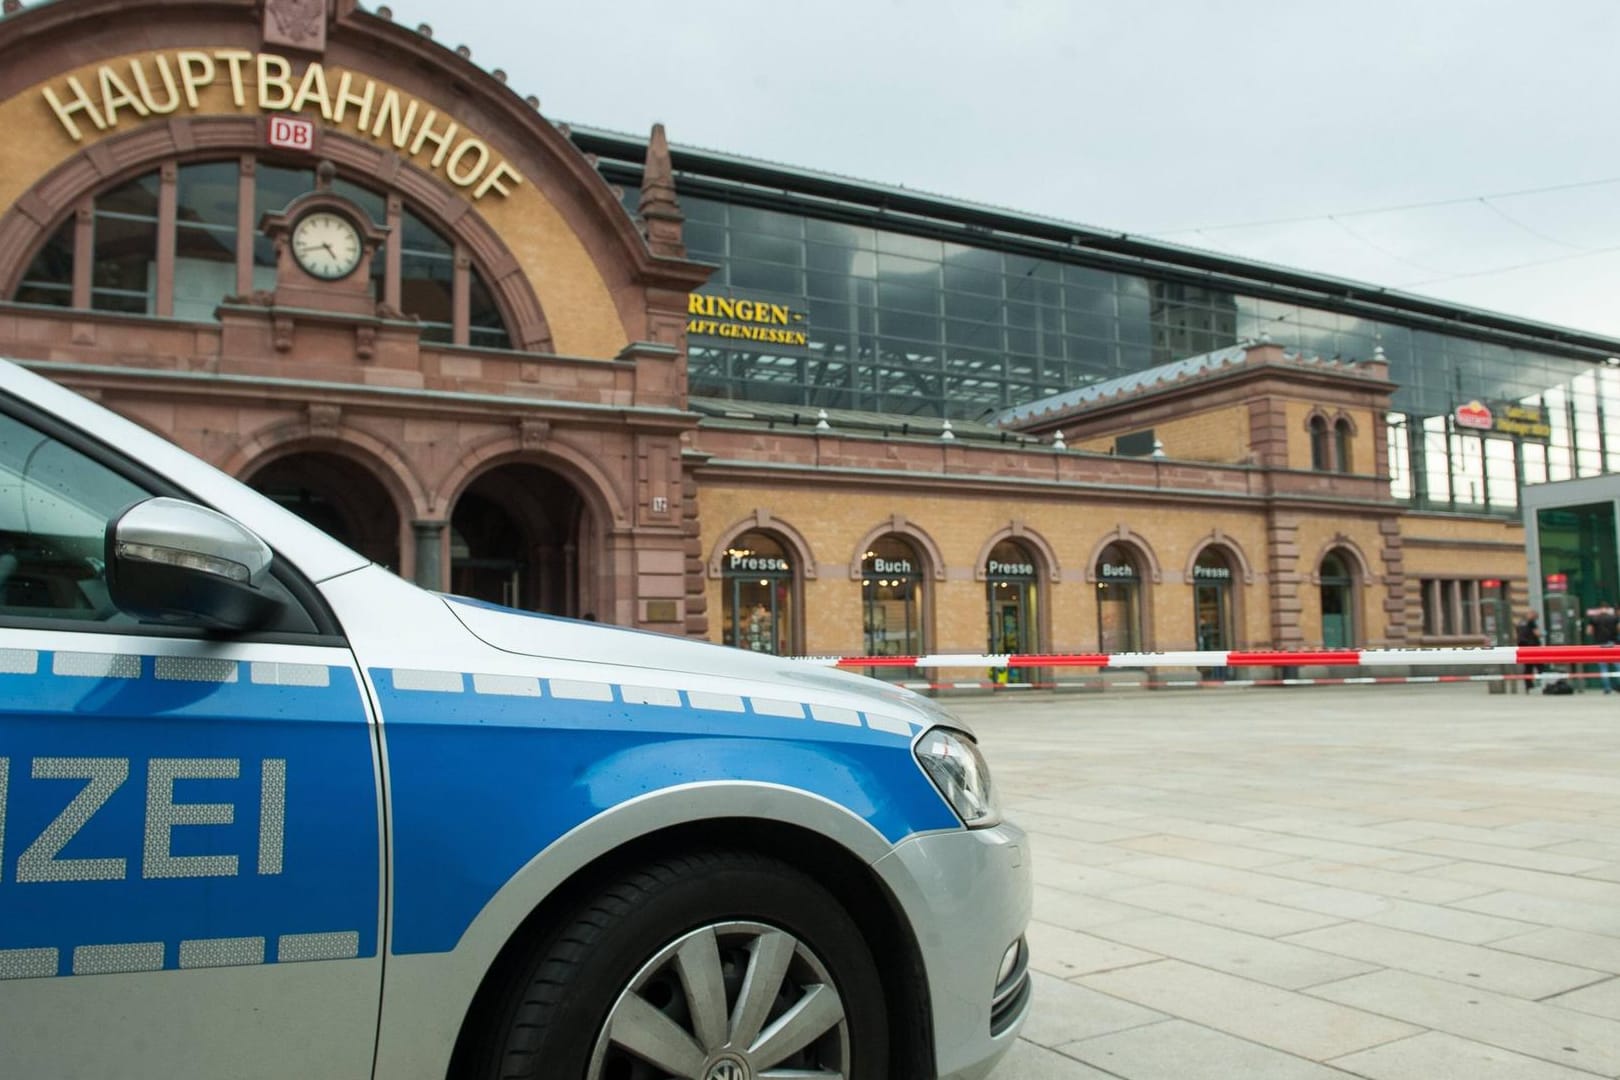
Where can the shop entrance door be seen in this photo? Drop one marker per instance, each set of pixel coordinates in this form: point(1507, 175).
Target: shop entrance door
point(1212, 606)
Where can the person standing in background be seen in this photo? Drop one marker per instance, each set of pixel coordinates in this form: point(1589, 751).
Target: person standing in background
point(1604, 629)
point(1529, 633)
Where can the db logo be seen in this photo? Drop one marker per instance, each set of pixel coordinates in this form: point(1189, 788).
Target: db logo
point(292, 133)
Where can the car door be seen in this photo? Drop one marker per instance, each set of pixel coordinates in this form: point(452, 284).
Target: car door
point(190, 826)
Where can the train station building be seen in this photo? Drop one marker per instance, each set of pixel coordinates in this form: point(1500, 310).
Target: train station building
point(595, 374)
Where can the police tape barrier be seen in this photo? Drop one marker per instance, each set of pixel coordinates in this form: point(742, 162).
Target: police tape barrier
point(1501, 655)
point(1097, 683)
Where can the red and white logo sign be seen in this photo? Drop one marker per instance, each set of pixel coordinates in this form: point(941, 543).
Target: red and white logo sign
point(292, 133)
point(1474, 415)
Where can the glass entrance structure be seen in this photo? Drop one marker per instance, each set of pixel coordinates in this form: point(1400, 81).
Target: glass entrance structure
point(1571, 544)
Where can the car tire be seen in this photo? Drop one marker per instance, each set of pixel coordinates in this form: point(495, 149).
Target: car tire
point(708, 966)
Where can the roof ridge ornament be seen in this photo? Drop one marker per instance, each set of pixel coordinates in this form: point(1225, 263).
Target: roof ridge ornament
point(661, 215)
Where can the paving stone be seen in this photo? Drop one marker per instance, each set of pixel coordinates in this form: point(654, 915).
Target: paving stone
point(1076, 911)
point(1598, 951)
point(1355, 854)
point(1177, 1050)
point(1247, 955)
point(1549, 911)
point(1027, 1061)
point(1067, 953)
point(1089, 880)
point(1203, 851)
point(1600, 1000)
point(1505, 856)
point(1562, 1036)
point(1428, 890)
point(1254, 884)
point(1441, 830)
point(1222, 909)
point(1281, 1019)
point(1083, 852)
point(1063, 1012)
point(1435, 920)
point(1470, 965)
point(1434, 1055)
point(1534, 882)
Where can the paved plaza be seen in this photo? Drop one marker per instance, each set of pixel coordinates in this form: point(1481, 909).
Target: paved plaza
point(1400, 883)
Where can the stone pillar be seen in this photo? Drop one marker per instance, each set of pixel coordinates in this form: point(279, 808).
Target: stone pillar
point(429, 537)
point(1393, 558)
point(1282, 571)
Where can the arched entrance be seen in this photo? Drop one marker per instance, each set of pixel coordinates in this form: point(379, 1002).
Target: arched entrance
point(1212, 599)
point(339, 496)
point(1119, 599)
point(757, 605)
point(1338, 601)
point(892, 597)
point(521, 535)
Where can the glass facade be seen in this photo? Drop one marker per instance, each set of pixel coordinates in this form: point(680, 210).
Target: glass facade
point(900, 321)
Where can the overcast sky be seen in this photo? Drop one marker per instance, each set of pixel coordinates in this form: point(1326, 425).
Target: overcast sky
point(1177, 119)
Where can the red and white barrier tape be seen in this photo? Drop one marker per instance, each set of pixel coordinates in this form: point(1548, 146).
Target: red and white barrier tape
point(1528, 654)
point(1097, 683)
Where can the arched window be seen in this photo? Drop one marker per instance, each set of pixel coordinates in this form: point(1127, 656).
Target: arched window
point(176, 241)
point(1338, 601)
point(757, 601)
point(892, 584)
point(1341, 444)
point(1318, 428)
point(1012, 586)
point(1119, 600)
point(1212, 598)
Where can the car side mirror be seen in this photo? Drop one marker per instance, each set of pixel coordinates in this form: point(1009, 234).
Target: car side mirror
point(173, 561)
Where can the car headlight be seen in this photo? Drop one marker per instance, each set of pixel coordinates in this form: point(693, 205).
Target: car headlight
point(958, 770)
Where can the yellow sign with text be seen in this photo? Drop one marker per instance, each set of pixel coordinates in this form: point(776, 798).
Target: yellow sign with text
point(163, 83)
point(746, 320)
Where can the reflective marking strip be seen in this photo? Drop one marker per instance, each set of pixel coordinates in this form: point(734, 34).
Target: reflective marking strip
point(18, 661)
point(704, 699)
point(507, 685)
point(829, 714)
point(793, 710)
point(651, 695)
point(96, 665)
point(892, 724)
point(274, 673)
point(444, 682)
point(295, 948)
point(1180, 682)
point(194, 669)
point(574, 690)
point(222, 952)
point(109, 959)
point(27, 963)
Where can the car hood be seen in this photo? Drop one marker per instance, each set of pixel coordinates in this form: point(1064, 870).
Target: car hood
point(527, 633)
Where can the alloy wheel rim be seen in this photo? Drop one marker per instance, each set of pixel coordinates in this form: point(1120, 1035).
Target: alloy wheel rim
point(727, 1001)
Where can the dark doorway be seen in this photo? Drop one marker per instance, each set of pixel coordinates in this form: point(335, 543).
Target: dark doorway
point(339, 496)
point(519, 536)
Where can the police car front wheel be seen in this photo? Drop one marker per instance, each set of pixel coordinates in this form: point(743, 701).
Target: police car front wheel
point(713, 966)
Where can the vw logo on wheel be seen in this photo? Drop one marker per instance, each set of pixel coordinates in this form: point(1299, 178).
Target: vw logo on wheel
point(727, 1069)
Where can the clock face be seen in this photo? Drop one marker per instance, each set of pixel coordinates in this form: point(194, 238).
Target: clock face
point(327, 245)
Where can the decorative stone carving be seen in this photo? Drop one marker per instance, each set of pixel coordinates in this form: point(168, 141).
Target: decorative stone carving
point(534, 434)
point(297, 24)
point(324, 420)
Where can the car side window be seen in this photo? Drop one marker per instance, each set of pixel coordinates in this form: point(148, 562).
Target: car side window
point(55, 504)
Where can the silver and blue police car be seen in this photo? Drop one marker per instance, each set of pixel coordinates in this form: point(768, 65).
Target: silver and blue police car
point(266, 810)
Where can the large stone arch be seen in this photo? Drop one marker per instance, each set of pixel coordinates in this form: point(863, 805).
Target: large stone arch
point(122, 157)
point(576, 466)
point(310, 433)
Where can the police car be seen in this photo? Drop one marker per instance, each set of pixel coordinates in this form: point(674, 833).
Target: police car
point(267, 810)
